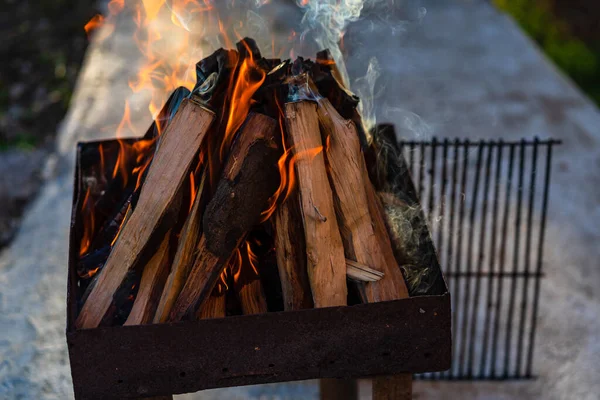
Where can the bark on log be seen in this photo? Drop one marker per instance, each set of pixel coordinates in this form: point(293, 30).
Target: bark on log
point(184, 257)
point(151, 285)
point(325, 252)
point(291, 256)
point(360, 221)
point(249, 179)
point(152, 216)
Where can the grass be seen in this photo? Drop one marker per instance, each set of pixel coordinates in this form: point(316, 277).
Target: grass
point(578, 59)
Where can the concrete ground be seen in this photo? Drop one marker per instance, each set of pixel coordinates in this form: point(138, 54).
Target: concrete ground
point(465, 71)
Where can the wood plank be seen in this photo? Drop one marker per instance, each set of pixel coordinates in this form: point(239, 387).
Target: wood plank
point(250, 178)
point(325, 253)
point(184, 257)
point(291, 256)
point(154, 212)
point(361, 223)
point(151, 285)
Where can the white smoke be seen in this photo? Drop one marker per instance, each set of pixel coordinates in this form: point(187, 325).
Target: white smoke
point(327, 20)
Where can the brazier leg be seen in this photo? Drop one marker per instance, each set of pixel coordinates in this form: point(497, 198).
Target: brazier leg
point(393, 387)
point(338, 389)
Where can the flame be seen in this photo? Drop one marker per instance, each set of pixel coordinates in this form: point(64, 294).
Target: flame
point(116, 6)
point(252, 257)
point(96, 22)
point(287, 175)
point(90, 273)
point(121, 226)
point(87, 207)
point(249, 78)
point(192, 190)
point(239, 267)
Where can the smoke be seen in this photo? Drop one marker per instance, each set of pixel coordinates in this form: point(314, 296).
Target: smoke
point(327, 21)
point(364, 87)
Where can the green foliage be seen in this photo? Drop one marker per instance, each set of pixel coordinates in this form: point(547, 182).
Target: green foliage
point(576, 58)
point(22, 141)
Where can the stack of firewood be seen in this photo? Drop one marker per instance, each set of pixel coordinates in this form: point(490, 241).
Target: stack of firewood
point(274, 155)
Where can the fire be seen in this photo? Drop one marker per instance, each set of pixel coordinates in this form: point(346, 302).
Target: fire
point(93, 24)
point(87, 207)
point(287, 175)
point(192, 190)
point(237, 264)
point(249, 78)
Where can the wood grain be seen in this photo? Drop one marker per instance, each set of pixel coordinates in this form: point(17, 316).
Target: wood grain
point(151, 285)
point(325, 252)
point(176, 151)
point(360, 222)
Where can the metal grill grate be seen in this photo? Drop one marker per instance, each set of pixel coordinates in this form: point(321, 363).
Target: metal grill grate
point(486, 203)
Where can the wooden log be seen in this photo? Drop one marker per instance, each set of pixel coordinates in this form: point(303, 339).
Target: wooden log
point(151, 285)
point(362, 273)
point(214, 306)
point(362, 218)
point(252, 297)
point(291, 256)
point(396, 387)
point(247, 285)
point(249, 179)
point(184, 257)
point(360, 222)
point(157, 204)
point(325, 252)
point(338, 389)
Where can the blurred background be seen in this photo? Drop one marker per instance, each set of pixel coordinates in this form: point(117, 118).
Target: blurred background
point(476, 69)
point(44, 44)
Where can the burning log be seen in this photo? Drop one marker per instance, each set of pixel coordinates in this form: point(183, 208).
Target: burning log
point(151, 284)
point(354, 206)
point(291, 256)
point(248, 181)
point(247, 283)
point(184, 257)
point(157, 203)
point(214, 306)
point(325, 252)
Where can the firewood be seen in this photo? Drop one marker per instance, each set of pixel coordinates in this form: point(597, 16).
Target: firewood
point(291, 256)
point(247, 285)
point(249, 179)
point(151, 285)
point(338, 389)
point(362, 273)
point(252, 298)
point(184, 257)
point(214, 306)
point(170, 166)
point(325, 252)
point(359, 220)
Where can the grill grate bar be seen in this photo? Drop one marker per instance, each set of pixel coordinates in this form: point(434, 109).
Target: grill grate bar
point(487, 206)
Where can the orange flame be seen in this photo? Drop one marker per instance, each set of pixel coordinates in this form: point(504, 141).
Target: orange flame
point(249, 78)
point(89, 226)
point(252, 257)
point(192, 190)
point(238, 266)
point(287, 177)
point(93, 24)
